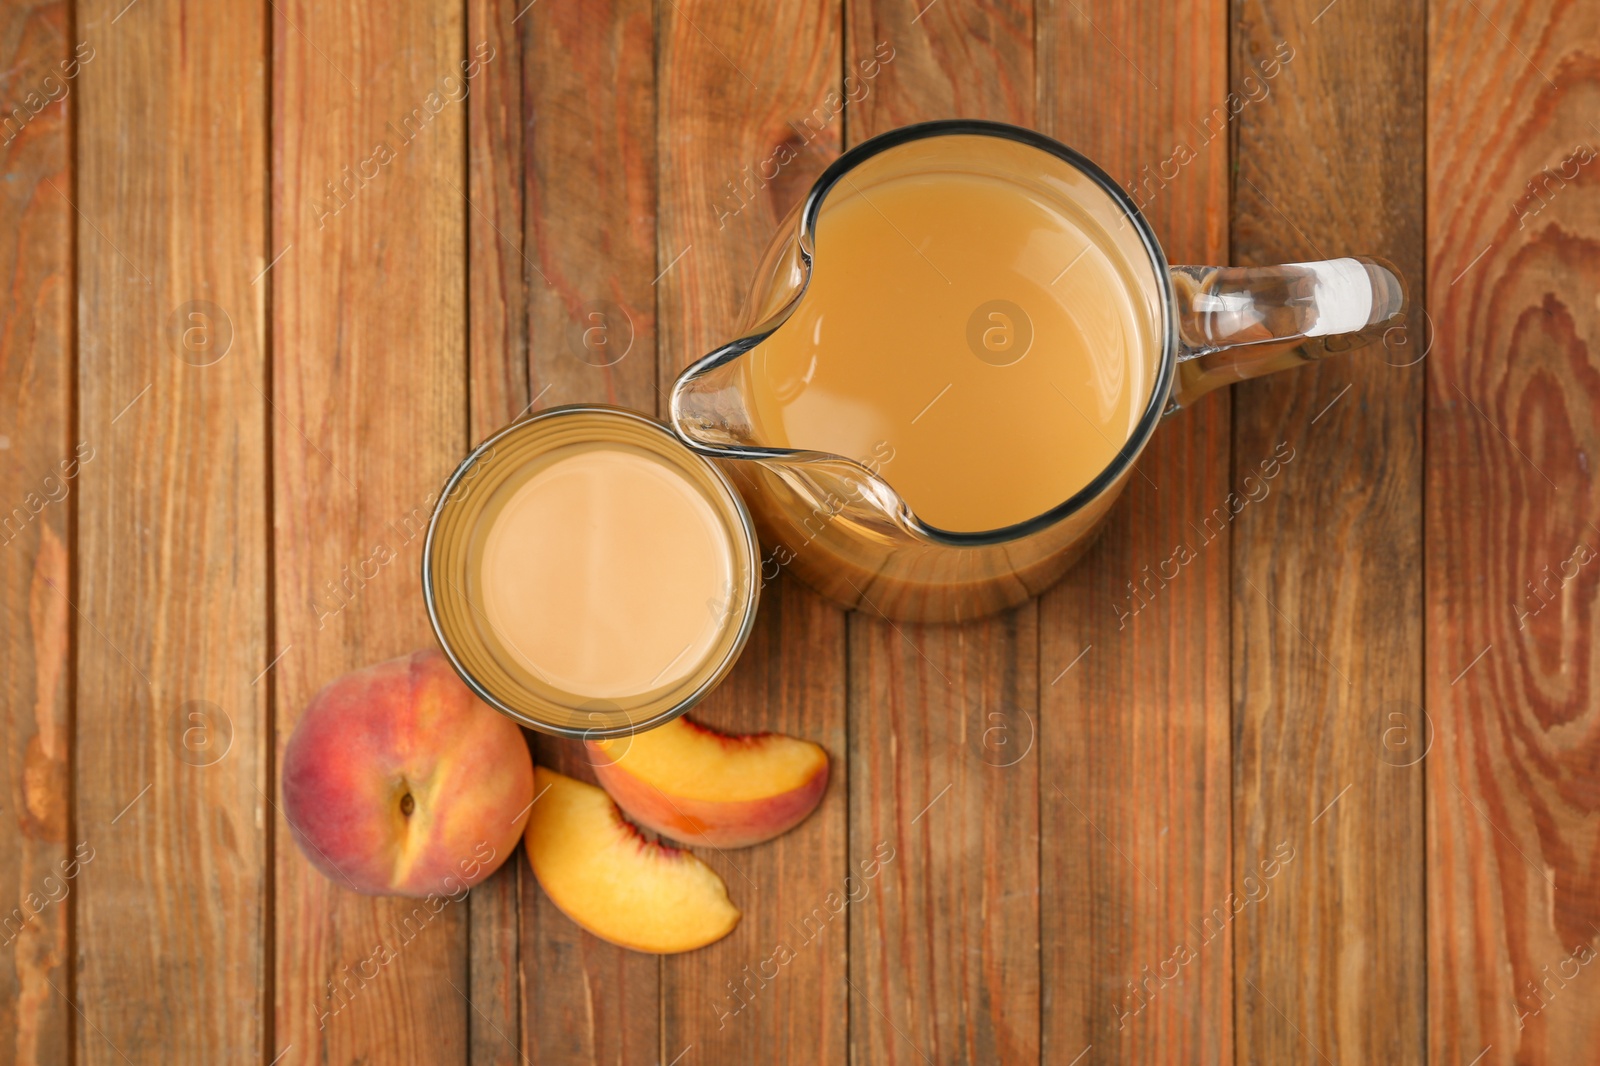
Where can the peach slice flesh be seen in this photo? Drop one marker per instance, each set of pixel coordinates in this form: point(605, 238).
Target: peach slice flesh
point(612, 881)
point(700, 786)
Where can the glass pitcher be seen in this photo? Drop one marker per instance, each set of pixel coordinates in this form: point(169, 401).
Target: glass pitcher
point(838, 521)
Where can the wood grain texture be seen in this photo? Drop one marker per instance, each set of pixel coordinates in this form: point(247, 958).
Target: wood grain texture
point(499, 268)
point(591, 195)
point(497, 341)
point(1326, 654)
point(369, 416)
point(945, 950)
point(1029, 817)
point(172, 534)
point(1134, 665)
point(589, 231)
point(974, 61)
point(36, 491)
point(945, 939)
point(1513, 390)
point(735, 84)
point(495, 1026)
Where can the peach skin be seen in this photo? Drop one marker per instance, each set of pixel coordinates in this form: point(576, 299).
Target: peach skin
point(399, 781)
point(697, 785)
point(605, 876)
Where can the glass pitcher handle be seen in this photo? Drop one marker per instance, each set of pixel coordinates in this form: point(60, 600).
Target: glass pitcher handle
point(1241, 322)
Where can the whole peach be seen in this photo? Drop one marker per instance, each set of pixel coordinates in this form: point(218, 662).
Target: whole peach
point(399, 781)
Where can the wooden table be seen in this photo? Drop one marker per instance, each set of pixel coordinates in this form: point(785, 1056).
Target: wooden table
point(1328, 796)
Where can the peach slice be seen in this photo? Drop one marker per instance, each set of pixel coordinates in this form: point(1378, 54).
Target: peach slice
point(697, 785)
point(613, 882)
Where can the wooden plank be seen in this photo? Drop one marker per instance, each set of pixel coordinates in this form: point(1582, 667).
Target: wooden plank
point(172, 535)
point(940, 64)
point(734, 82)
point(1327, 643)
point(1135, 822)
point(945, 948)
point(499, 268)
point(1513, 406)
point(36, 499)
point(589, 234)
point(591, 195)
point(497, 392)
point(945, 942)
point(369, 416)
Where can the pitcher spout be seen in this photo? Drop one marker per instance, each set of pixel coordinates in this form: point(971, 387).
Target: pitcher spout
point(792, 491)
point(709, 408)
point(710, 405)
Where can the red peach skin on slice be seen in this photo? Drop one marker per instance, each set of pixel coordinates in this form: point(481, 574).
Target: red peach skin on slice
point(700, 786)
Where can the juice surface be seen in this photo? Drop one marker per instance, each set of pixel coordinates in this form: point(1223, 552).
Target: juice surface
point(985, 335)
point(602, 572)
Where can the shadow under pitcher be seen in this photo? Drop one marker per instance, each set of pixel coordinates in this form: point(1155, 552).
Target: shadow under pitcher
point(955, 350)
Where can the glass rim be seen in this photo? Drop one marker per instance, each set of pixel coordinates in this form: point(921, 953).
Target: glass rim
point(1161, 386)
point(746, 548)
